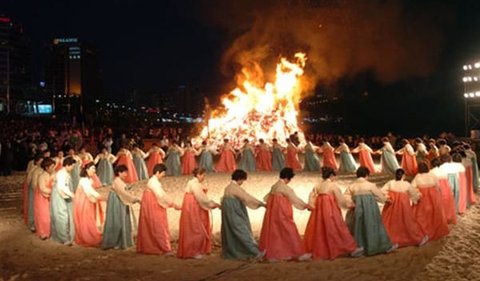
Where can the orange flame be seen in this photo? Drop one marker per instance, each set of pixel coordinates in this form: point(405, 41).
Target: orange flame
point(252, 112)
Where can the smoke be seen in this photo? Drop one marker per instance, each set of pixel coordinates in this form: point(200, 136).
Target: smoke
point(394, 39)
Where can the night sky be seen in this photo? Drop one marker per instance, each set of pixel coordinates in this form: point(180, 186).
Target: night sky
point(406, 52)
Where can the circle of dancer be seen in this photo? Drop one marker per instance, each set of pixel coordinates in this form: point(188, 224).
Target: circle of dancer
point(429, 188)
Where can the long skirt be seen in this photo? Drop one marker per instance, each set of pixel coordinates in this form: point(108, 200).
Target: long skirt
point(453, 180)
point(429, 213)
point(173, 164)
point(329, 159)
point(154, 159)
point(400, 222)
point(470, 193)
point(237, 237)
point(462, 195)
point(327, 236)
point(278, 160)
point(132, 172)
point(61, 215)
point(347, 163)
point(188, 162)
point(292, 161)
point(389, 162)
point(117, 232)
point(311, 161)
point(366, 225)
point(206, 161)
point(85, 218)
point(195, 234)
point(247, 161)
point(140, 167)
point(448, 202)
point(42, 214)
point(279, 237)
point(30, 208)
point(409, 164)
point(75, 174)
point(226, 162)
point(365, 159)
point(105, 171)
point(264, 160)
point(153, 233)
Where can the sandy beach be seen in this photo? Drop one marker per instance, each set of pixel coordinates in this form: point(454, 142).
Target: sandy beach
point(23, 256)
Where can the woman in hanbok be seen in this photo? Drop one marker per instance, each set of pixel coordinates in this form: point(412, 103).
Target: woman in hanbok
point(421, 151)
point(61, 204)
point(448, 202)
point(365, 156)
point(41, 201)
point(104, 161)
point(467, 163)
point(195, 233)
point(389, 159)
point(206, 157)
point(117, 232)
point(291, 160)
point(236, 231)
point(397, 215)
point(59, 160)
point(247, 157)
point(429, 210)
point(227, 158)
point(432, 150)
point(452, 169)
point(364, 220)
point(155, 156)
point(124, 157)
point(153, 231)
point(264, 157)
point(443, 147)
point(172, 161)
point(347, 163)
point(75, 173)
point(326, 235)
point(462, 180)
point(188, 159)
point(278, 159)
point(29, 192)
point(85, 157)
point(87, 201)
point(473, 157)
point(409, 160)
point(311, 159)
point(279, 236)
point(139, 156)
point(328, 153)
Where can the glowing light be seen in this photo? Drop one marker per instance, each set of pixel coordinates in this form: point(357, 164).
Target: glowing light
point(471, 95)
point(259, 109)
point(477, 65)
point(465, 79)
point(465, 67)
point(477, 93)
point(465, 95)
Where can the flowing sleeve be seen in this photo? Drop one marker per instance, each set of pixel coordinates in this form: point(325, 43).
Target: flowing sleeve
point(162, 197)
point(342, 200)
point(126, 197)
point(414, 193)
point(312, 197)
point(90, 192)
point(293, 198)
point(64, 183)
point(202, 197)
point(42, 184)
point(379, 196)
point(246, 198)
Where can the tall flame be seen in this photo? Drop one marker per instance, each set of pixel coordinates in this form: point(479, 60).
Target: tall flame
point(255, 112)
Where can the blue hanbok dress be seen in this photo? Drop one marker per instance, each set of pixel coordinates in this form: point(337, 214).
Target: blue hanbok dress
point(61, 209)
point(173, 163)
point(117, 232)
point(347, 163)
point(278, 159)
point(389, 161)
point(311, 160)
point(140, 166)
point(366, 225)
point(247, 161)
point(75, 174)
point(105, 171)
point(206, 160)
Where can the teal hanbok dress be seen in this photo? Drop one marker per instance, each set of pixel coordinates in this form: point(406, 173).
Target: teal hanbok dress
point(206, 160)
point(311, 160)
point(366, 226)
point(173, 163)
point(140, 166)
point(247, 161)
point(105, 171)
point(389, 161)
point(61, 209)
point(278, 159)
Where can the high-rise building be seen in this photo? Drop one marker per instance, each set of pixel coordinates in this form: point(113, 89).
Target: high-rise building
point(73, 76)
point(15, 64)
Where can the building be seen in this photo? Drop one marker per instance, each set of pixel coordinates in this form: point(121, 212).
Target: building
point(72, 76)
point(15, 64)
